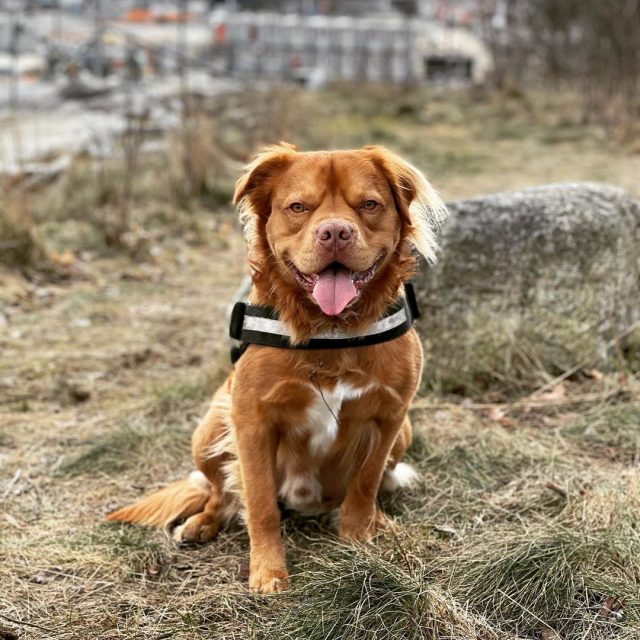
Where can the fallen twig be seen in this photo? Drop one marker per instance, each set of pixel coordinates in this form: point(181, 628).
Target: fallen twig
point(22, 623)
point(581, 365)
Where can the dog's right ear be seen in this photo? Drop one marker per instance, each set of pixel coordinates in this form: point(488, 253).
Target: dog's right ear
point(253, 188)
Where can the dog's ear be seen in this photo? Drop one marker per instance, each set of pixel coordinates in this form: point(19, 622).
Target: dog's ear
point(257, 181)
point(420, 207)
point(253, 189)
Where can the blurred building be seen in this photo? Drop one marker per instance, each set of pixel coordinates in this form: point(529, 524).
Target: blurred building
point(21, 52)
point(320, 48)
point(323, 7)
point(458, 11)
point(310, 41)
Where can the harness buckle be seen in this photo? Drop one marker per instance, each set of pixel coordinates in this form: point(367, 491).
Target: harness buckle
point(412, 300)
point(237, 320)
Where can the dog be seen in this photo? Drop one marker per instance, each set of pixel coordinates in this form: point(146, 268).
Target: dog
point(332, 236)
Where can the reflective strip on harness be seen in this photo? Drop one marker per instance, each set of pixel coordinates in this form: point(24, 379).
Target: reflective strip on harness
point(252, 324)
point(267, 325)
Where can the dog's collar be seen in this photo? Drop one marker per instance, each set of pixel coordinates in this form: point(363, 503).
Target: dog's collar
point(253, 324)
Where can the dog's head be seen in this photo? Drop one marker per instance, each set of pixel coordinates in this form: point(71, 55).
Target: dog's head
point(331, 234)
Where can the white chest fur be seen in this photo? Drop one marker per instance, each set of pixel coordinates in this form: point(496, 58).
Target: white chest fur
point(323, 415)
point(299, 489)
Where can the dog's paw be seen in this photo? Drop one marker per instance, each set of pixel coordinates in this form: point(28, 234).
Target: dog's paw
point(356, 532)
point(363, 528)
point(197, 529)
point(268, 580)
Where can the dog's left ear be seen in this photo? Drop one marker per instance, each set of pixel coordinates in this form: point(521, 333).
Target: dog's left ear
point(420, 207)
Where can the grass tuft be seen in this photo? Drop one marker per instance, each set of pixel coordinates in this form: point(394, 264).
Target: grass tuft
point(612, 432)
point(353, 594)
point(550, 576)
point(137, 547)
point(181, 397)
point(124, 449)
point(20, 244)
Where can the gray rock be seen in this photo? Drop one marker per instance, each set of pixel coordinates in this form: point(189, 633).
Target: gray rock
point(530, 283)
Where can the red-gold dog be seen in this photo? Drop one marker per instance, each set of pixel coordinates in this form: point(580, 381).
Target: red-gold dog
point(331, 239)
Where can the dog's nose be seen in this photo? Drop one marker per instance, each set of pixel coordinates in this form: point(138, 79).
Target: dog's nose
point(334, 236)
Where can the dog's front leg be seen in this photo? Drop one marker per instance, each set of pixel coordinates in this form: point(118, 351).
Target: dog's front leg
point(359, 516)
point(257, 445)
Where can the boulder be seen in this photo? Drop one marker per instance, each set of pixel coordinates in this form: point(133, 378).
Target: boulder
point(530, 284)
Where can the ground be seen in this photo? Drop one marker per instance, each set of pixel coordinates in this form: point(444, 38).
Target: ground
point(525, 520)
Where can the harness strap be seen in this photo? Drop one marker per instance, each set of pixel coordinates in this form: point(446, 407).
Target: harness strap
point(253, 324)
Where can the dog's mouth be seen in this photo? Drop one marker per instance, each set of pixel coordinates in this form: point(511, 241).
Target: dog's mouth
point(336, 286)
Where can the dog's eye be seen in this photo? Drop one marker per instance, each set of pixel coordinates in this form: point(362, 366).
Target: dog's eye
point(369, 205)
point(297, 207)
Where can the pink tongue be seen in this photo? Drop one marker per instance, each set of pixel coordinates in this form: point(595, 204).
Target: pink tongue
point(334, 290)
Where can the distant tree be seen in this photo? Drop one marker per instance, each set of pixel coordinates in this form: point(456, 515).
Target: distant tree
point(589, 44)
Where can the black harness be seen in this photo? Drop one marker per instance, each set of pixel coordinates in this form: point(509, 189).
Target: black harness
point(252, 324)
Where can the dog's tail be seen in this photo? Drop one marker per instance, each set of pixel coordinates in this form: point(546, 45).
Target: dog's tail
point(175, 502)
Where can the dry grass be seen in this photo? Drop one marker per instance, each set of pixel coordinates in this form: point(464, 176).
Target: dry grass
point(521, 527)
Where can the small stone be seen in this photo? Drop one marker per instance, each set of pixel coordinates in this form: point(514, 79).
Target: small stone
point(72, 391)
point(41, 578)
point(7, 634)
point(79, 393)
